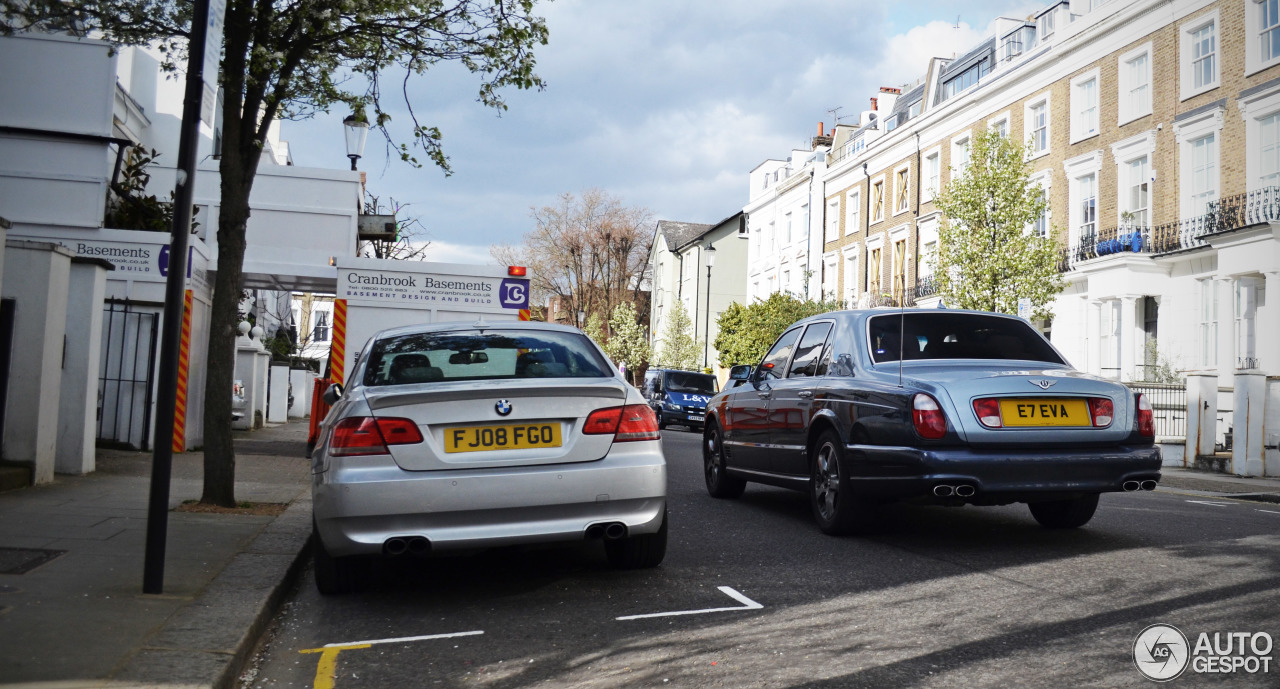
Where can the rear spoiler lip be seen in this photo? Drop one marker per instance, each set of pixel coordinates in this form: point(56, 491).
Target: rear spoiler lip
point(385, 397)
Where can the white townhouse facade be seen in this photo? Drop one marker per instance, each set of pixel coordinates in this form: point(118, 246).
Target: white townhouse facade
point(1154, 128)
point(678, 263)
point(63, 144)
point(671, 272)
point(784, 223)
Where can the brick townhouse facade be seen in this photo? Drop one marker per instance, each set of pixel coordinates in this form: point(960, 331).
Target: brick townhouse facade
point(1154, 128)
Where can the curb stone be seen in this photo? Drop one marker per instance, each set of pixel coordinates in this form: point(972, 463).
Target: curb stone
point(209, 642)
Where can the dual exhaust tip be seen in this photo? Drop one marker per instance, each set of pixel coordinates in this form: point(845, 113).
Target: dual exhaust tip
point(610, 531)
point(416, 545)
point(964, 490)
point(1131, 486)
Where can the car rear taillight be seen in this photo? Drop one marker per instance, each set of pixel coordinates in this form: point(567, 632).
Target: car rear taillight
point(929, 420)
point(988, 411)
point(632, 422)
point(365, 435)
point(1146, 420)
point(1102, 411)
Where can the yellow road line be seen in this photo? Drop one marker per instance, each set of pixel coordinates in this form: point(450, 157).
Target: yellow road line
point(327, 668)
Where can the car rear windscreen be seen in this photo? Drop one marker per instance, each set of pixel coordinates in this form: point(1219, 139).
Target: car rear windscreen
point(489, 355)
point(692, 383)
point(942, 335)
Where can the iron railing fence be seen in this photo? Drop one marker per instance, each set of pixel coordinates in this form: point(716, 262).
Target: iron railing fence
point(1168, 406)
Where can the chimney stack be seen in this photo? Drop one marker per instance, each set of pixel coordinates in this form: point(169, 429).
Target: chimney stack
point(874, 102)
point(821, 139)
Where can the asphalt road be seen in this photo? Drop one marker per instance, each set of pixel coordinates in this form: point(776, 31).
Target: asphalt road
point(934, 597)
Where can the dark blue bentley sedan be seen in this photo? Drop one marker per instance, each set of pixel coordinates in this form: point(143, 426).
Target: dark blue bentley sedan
point(932, 406)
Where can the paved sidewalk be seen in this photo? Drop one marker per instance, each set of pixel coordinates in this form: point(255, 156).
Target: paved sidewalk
point(72, 611)
point(1215, 485)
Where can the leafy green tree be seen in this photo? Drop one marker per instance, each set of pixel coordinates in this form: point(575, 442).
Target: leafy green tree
point(291, 59)
point(595, 329)
point(627, 345)
point(678, 348)
point(986, 258)
point(747, 332)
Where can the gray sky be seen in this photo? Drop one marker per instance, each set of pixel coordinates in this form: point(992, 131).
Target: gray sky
point(666, 104)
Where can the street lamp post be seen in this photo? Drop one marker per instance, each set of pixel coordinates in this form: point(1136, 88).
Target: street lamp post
point(357, 132)
point(709, 257)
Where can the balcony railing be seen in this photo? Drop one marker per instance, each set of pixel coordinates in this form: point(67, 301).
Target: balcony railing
point(924, 287)
point(1231, 213)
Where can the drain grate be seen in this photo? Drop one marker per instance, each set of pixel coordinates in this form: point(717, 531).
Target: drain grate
point(23, 560)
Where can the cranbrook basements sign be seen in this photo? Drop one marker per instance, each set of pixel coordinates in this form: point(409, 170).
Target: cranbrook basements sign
point(1162, 653)
point(432, 290)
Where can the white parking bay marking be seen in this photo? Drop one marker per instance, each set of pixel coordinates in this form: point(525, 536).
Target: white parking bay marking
point(747, 604)
point(405, 639)
point(1269, 511)
point(1215, 504)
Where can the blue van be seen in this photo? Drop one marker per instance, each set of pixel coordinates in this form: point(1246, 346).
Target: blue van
point(679, 397)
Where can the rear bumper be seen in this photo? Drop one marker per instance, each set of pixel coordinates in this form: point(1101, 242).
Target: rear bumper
point(360, 502)
point(903, 472)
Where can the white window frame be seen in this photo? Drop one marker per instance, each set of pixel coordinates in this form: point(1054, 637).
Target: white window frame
point(1245, 312)
point(1187, 133)
point(1001, 119)
point(833, 221)
point(873, 244)
point(830, 274)
point(900, 234)
point(1129, 111)
point(1255, 108)
point(1125, 153)
point(883, 201)
point(1044, 180)
point(316, 325)
point(849, 276)
point(932, 174)
point(1207, 310)
point(960, 142)
point(926, 234)
point(1253, 59)
point(1086, 116)
point(1045, 24)
point(902, 172)
point(1109, 338)
point(1187, 85)
point(852, 211)
point(1077, 169)
point(1029, 124)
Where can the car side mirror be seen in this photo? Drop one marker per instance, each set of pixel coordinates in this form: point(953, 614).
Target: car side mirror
point(740, 372)
point(332, 394)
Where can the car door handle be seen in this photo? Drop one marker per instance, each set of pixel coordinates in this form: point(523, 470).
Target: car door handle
point(764, 394)
point(805, 394)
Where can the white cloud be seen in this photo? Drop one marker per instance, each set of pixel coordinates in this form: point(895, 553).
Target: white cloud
point(666, 104)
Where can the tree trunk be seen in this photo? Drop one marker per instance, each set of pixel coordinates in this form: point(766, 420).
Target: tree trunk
point(233, 216)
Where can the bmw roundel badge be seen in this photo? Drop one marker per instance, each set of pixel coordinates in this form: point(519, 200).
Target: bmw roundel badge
point(503, 407)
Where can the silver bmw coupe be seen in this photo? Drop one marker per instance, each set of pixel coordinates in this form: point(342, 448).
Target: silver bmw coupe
point(455, 436)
